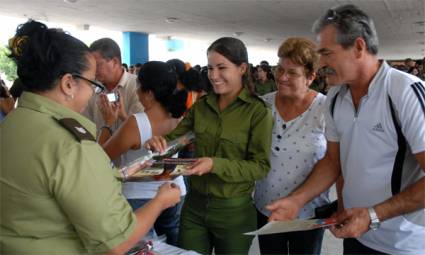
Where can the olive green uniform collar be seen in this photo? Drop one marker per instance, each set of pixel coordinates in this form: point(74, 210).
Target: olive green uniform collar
point(244, 96)
point(45, 105)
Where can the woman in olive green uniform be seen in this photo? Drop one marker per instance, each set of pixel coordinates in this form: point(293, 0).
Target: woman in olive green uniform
point(233, 134)
point(265, 83)
point(58, 192)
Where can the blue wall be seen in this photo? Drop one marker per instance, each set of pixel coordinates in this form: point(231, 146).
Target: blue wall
point(135, 48)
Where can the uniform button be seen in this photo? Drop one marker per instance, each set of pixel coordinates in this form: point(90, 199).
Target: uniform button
point(284, 126)
point(279, 137)
point(277, 148)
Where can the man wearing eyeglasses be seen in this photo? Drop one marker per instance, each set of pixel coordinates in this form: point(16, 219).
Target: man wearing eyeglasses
point(110, 114)
point(375, 127)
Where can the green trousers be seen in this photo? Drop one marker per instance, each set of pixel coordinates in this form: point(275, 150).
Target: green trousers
point(207, 222)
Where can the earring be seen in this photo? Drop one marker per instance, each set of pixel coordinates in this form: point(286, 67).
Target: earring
point(70, 97)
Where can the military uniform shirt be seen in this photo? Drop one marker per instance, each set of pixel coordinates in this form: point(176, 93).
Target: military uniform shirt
point(265, 88)
point(58, 194)
point(238, 139)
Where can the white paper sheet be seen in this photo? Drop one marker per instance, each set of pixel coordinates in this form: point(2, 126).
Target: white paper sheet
point(274, 227)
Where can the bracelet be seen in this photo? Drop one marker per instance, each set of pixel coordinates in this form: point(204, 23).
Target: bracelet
point(107, 127)
point(124, 175)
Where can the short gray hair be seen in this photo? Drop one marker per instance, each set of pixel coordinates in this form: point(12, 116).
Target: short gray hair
point(350, 23)
point(107, 48)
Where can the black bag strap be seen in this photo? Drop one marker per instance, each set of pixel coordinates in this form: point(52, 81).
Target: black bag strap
point(332, 106)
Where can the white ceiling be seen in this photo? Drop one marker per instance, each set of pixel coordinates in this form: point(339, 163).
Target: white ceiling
point(398, 21)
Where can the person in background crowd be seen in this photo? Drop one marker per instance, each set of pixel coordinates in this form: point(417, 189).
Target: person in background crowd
point(205, 81)
point(125, 66)
point(17, 88)
point(109, 113)
point(264, 63)
point(409, 63)
point(298, 142)
point(188, 79)
point(7, 103)
point(320, 84)
point(253, 74)
point(376, 139)
point(197, 68)
point(420, 64)
point(137, 68)
point(233, 132)
point(265, 81)
point(131, 69)
point(164, 106)
point(413, 71)
point(63, 198)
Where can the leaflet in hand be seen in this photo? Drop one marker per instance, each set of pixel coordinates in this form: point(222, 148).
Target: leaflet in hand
point(167, 169)
point(274, 227)
point(175, 145)
point(159, 163)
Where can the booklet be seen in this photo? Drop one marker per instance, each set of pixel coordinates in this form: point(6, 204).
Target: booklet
point(162, 166)
point(274, 227)
point(167, 169)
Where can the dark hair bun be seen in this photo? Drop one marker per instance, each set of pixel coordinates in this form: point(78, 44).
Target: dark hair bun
point(177, 103)
point(178, 66)
point(161, 79)
point(42, 55)
point(191, 79)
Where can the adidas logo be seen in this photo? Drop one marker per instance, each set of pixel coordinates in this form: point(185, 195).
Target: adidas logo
point(378, 127)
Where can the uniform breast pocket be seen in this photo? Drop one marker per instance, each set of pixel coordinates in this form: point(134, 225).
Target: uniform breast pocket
point(204, 140)
point(234, 144)
point(200, 131)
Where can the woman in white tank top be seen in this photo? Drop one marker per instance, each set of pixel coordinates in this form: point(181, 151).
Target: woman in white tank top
point(164, 106)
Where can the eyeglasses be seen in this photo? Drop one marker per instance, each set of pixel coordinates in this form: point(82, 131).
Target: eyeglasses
point(96, 86)
point(290, 73)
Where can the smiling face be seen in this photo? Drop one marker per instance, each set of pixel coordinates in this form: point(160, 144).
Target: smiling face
point(340, 62)
point(291, 79)
point(225, 76)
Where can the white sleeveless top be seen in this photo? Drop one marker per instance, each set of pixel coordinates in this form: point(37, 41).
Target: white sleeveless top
point(144, 190)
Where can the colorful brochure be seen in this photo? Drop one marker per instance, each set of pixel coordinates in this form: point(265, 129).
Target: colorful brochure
point(167, 169)
point(162, 166)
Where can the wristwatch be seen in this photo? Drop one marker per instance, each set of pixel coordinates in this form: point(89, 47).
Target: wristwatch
point(374, 220)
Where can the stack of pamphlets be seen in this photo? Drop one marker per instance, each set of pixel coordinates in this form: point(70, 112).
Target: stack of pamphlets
point(162, 166)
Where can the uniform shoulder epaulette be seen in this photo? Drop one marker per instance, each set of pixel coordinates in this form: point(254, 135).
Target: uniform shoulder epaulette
point(76, 129)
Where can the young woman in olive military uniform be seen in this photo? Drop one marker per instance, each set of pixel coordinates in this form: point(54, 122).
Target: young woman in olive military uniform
point(265, 83)
point(233, 134)
point(58, 191)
